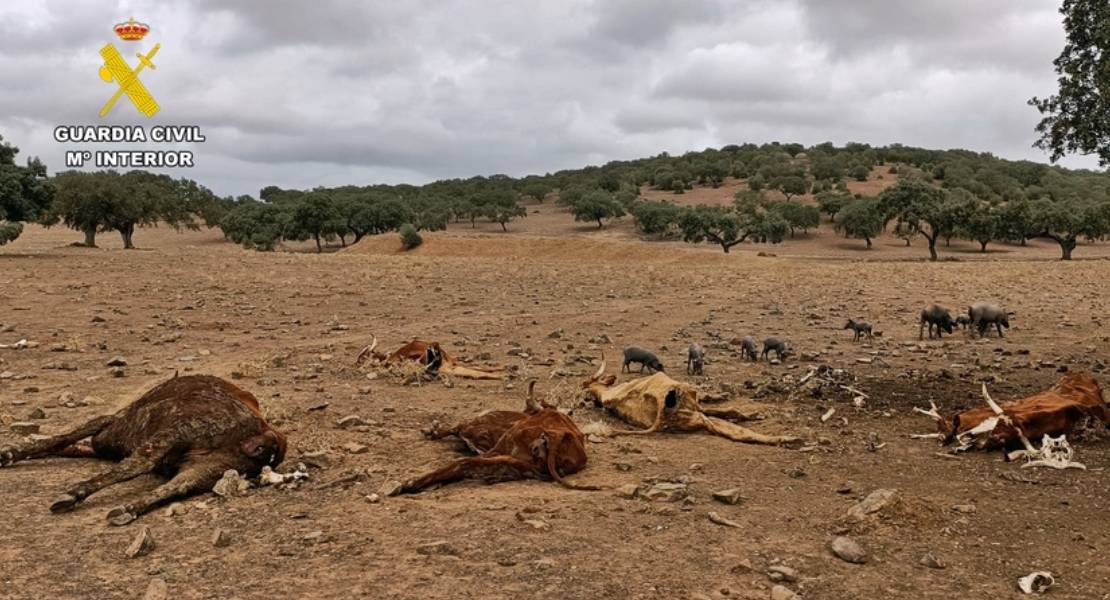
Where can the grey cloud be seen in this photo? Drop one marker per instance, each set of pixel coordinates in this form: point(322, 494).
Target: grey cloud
point(331, 91)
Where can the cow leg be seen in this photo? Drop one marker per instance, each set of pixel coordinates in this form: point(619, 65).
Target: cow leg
point(192, 478)
point(999, 326)
point(731, 414)
point(128, 469)
point(466, 467)
point(51, 446)
point(435, 432)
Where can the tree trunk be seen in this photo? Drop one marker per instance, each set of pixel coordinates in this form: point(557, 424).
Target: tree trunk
point(126, 232)
point(599, 225)
point(503, 228)
point(932, 248)
point(343, 240)
point(907, 242)
point(319, 248)
point(868, 240)
point(90, 237)
point(983, 246)
point(1066, 246)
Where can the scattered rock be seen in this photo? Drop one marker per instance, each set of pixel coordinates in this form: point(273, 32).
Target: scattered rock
point(231, 484)
point(965, 509)
point(157, 588)
point(37, 413)
point(873, 503)
point(373, 498)
point(931, 561)
point(390, 488)
point(220, 538)
point(141, 545)
point(25, 427)
point(781, 592)
point(730, 496)
point(782, 573)
point(350, 421)
point(628, 490)
point(355, 448)
point(438, 548)
point(118, 361)
point(849, 550)
point(666, 492)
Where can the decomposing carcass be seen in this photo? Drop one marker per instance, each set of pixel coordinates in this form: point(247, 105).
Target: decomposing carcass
point(1074, 401)
point(433, 358)
point(539, 442)
point(659, 403)
point(191, 429)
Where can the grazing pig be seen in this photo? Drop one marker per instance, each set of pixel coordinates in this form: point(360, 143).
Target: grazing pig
point(962, 321)
point(695, 360)
point(937, 316)
point(636, 354)
point(191, 429)
point(779, 347)
point(748, 349)
point(982, 315)
point(859, 327)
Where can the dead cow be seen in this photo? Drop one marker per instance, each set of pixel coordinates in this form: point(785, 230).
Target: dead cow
point(1009, 425)
point(659, 403)
point(540, 442)
point(432, 356)
point(191, 429)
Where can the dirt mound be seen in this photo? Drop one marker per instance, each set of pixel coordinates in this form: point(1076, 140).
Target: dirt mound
point(577, 249)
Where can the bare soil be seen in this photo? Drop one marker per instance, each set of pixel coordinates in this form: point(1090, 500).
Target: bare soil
point(288, 325)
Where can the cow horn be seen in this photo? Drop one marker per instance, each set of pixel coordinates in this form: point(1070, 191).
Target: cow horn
point(601, 369)
point(530, 404)
point(990, 401)
point(367, 351)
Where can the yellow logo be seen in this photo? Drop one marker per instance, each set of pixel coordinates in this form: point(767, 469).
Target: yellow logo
point(115, 67)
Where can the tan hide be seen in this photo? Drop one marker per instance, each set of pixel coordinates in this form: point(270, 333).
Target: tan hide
point(659, 403)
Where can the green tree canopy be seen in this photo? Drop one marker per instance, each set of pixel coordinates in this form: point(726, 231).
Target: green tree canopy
point(1075, 119)
point(25, 193)
point(860, 218)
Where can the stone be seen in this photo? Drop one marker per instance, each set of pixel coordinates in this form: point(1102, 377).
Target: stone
point(390, 488)
point(220, 538)
point(437, 548)
point(666, 492)
point(118, 361)
point(782, 573)
point(373, 498)
point(965, 509)
point(141, 545)
point(730, 496)
point(37, 413)
point(350, 421)
point(848, 550)
point(156, 589)
point(231, 484)
point(24, 427)
point(781, 592)
point(355, 448)
point(928, 560)
point(873, 503)
point(628, 490)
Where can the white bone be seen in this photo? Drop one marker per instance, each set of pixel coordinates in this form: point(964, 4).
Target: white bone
point(828, 415)
point(1055, 453)
point(269, 477)
point(1037, 581)
point(926, 436)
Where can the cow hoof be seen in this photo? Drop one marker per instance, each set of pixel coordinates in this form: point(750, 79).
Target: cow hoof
point(121, 515)
point(64, 503)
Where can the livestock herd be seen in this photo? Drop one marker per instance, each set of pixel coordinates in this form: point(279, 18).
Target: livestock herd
point(194, 429)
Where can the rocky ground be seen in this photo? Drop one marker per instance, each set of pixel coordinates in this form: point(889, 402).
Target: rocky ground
point(683, 515)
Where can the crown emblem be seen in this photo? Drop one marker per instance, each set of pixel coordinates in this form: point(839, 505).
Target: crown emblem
point(132, 30)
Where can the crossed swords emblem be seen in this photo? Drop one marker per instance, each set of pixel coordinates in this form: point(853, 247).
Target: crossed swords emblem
point(115, 67)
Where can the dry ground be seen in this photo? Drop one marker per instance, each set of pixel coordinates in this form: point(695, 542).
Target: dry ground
point(290, 323)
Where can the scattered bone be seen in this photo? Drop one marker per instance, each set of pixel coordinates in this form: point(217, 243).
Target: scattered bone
point(1036, 582)
point(231, 484)
point(718, 519)
point(1055, 453)
point(270, 477)
point(141, 545)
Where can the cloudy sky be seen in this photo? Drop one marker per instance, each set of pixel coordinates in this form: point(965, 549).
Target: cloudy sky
point(328, 92)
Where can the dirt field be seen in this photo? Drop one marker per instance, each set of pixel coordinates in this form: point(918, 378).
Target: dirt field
point(287, 325)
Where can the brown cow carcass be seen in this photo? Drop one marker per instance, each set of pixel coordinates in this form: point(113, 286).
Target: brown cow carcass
point(659, 403)
point(191, 429)
point(432, 356)
point(539, 442)
point(1073, 401)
